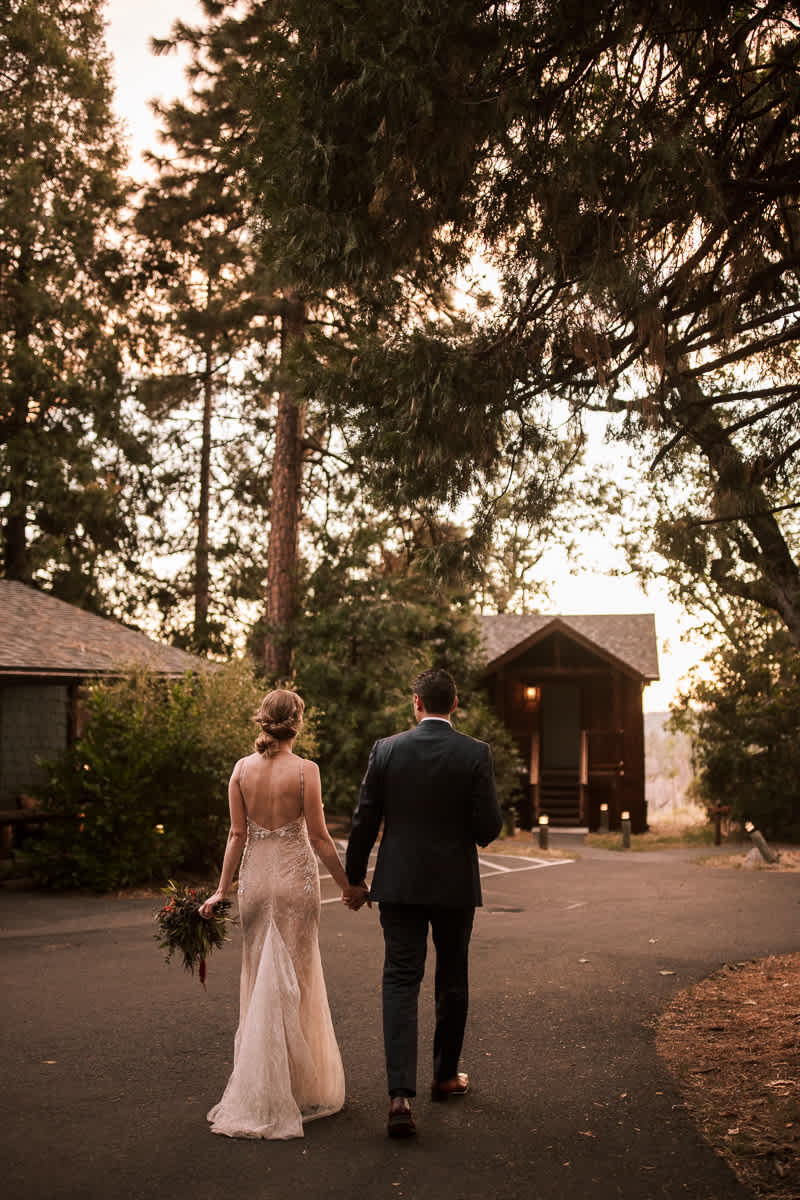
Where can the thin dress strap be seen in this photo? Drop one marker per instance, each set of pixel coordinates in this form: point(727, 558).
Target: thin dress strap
point(242, 763)
point(301, 785)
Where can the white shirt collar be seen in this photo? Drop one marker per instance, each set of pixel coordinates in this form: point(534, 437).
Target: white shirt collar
point(446, 720)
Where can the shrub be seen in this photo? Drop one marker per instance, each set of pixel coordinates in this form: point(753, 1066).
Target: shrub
point(143, 793)
point(743, 720)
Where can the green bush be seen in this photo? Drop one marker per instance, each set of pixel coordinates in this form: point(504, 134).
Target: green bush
point(144, 792)
point(743, 719)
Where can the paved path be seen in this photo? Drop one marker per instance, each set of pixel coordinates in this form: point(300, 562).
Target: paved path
point(110, 1059)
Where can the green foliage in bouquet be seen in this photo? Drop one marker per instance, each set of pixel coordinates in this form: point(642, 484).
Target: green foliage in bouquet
point(182, 930)
point(144, 792)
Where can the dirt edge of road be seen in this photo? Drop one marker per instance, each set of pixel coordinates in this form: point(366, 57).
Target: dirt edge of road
point(732, 1043)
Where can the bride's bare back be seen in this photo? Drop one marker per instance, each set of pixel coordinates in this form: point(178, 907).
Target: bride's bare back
point(271, 789)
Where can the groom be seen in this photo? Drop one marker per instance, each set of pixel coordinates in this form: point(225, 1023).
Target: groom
point(434, 790)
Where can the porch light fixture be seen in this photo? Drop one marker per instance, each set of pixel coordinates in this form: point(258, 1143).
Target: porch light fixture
point(531, 695)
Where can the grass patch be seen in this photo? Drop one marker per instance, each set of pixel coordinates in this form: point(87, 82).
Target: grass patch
point(656, 839)
point(524, 845)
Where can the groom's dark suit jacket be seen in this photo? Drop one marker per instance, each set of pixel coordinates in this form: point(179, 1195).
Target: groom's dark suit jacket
point(434, 790)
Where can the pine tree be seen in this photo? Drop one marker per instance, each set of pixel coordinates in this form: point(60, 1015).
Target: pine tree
point(385, 384)
point(210, 323)
point(65, 444)
point(212, 132)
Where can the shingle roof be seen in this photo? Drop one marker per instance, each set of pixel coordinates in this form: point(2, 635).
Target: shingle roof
point(40, 635)
point(628, 637)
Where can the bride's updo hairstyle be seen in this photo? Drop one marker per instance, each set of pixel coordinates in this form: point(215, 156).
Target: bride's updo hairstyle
point(280, 718)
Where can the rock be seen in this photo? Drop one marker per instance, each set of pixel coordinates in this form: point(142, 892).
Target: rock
point(752, 859)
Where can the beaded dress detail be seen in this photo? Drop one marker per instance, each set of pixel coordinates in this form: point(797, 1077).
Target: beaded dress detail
point(286, 1063)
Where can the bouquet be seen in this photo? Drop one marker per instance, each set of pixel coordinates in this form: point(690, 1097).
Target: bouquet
point(182, 929)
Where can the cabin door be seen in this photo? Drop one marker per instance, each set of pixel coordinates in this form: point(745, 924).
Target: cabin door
point(561, 727)
point(560, 741)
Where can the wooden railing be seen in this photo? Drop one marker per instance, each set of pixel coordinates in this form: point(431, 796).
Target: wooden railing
point(604, 750)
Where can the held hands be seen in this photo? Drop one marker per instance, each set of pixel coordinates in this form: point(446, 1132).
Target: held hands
point(355, 895)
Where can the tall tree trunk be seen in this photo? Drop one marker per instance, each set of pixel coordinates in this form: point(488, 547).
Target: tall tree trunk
point(201, 573)
point(287, 477)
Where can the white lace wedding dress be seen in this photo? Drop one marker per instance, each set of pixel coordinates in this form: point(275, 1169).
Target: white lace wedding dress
point(286, 1063)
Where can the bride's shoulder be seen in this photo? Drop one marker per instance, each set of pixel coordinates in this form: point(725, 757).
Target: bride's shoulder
point(307, 763)
point(248, 760)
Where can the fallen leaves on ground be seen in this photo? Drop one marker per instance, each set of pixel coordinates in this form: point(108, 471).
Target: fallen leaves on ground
point(733, 1044)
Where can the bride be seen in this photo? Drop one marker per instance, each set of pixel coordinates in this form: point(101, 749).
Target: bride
point(286, 1064)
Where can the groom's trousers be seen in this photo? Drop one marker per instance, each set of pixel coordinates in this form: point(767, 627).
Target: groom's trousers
point(405, 933)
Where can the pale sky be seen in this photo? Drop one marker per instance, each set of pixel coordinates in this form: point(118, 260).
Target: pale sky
point(140, 77)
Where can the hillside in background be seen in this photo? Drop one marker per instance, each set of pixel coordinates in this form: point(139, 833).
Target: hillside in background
point(668, 767)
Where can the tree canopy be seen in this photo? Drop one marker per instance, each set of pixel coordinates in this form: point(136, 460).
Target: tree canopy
point(627, 172)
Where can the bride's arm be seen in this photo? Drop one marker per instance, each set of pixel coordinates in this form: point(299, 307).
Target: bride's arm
point(237, 835)
point(318, 833)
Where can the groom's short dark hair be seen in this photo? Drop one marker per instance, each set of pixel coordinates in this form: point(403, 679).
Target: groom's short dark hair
point(436, 689)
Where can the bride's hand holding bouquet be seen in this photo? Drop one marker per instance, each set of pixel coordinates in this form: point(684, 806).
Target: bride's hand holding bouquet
point(192, 924)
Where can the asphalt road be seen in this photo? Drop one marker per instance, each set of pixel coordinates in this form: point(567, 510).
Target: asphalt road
point(110, 1058)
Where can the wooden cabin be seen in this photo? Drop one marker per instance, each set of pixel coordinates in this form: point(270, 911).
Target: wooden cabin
point(570, 691)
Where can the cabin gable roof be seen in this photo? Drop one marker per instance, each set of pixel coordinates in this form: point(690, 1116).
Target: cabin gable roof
point(41, 636)
point(628, 640)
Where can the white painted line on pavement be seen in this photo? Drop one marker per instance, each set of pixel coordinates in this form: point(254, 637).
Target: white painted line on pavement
point(528, 864)
point(493, 866)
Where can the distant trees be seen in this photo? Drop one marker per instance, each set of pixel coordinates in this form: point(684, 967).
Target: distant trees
point(209, 343)
point(69, 459)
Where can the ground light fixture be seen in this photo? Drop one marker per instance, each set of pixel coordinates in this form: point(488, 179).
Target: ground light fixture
point(544, 831)
point(626, 830)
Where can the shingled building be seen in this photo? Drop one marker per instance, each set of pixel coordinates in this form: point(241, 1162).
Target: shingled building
point(569, 689)
point(47, 650)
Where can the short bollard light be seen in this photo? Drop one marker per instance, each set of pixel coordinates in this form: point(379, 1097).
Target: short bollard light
point(767, 853)
point(626, 830)
point(604, 818)
point(544, 831)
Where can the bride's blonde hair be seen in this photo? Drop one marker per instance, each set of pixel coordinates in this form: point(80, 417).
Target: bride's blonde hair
point(280, 717)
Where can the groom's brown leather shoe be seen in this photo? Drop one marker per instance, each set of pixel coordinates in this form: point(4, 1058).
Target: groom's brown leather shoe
point(400, 1123)
point(444, 1089)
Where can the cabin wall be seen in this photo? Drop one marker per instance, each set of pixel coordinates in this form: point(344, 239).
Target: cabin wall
point(34, 724)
